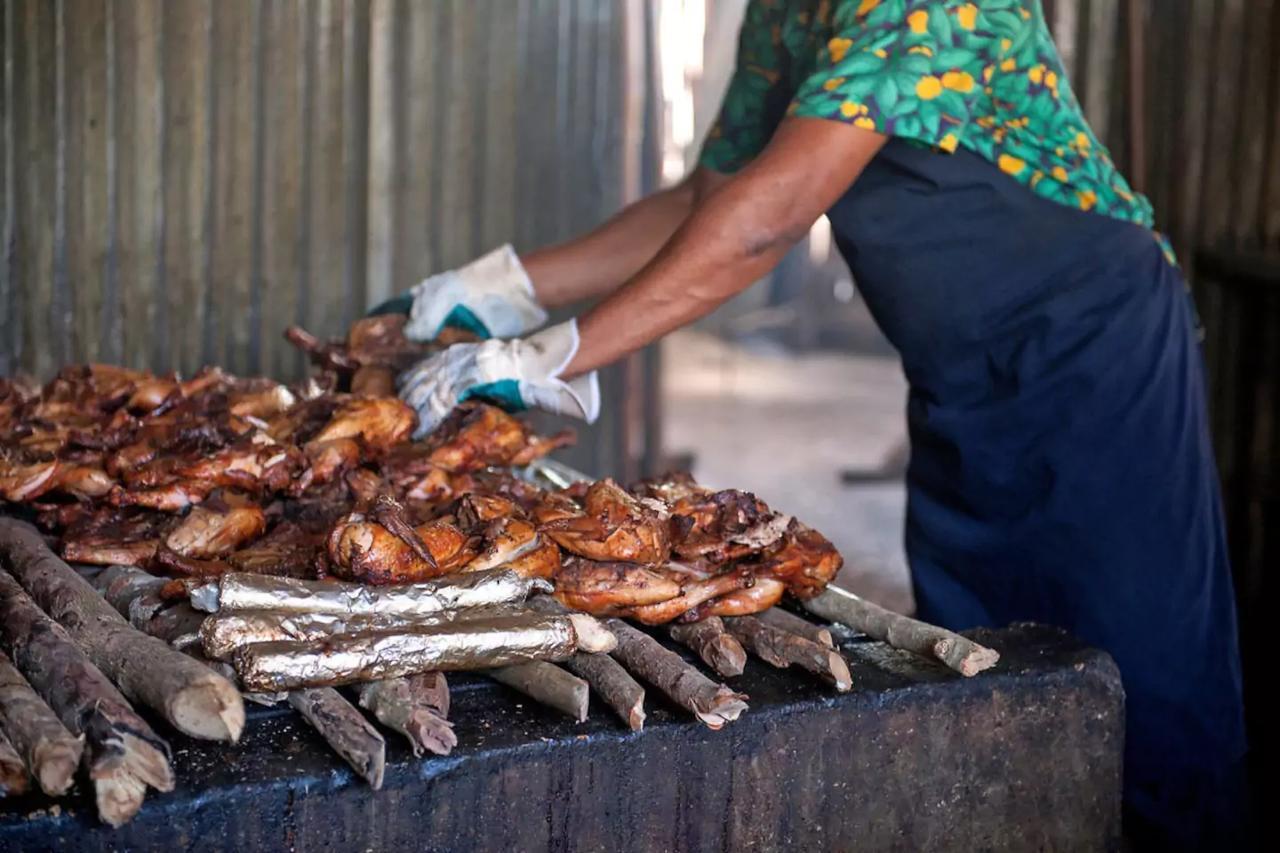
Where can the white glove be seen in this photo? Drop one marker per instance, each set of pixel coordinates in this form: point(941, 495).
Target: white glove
point(493, 292)
point(516, 374)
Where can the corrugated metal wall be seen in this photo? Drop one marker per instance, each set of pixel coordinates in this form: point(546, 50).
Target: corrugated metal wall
point(184, 178)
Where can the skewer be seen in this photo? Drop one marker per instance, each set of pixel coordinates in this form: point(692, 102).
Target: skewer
point(718, 649)
point(714, 704)
point(345, 729)
point(417, 707)
point(50, 751)
point(548, 684)
point(782, 649)
point(787, 621)
point(959, 653)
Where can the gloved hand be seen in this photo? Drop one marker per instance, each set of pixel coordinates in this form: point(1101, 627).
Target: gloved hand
point(516, 374)
point(491, 296)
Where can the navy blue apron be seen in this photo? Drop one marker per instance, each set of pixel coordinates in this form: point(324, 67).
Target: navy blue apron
point(1061, 469)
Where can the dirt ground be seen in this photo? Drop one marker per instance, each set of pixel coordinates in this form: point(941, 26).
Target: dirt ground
point(785, 427)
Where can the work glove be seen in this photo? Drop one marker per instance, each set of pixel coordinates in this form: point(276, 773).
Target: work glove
point(516, 374)
point(491, 297)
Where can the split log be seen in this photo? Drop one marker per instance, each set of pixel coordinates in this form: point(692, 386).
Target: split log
point(484, 644)
point(226, 631)
point(238, 591)
point(714, 704)
point(345, 729)
point(605, 675)
point(13, 773)
point(718, 649)
point(123, 754)
point(787, 621)
point(901, 632)
point(121, 585)
point(548, 684)
point(781, 649)
point(417, 707)
point(49, 750)
point(192, 698)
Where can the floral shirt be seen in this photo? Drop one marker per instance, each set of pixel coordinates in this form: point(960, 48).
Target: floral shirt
point(983, 75)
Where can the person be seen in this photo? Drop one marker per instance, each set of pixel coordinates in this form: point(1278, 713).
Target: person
point(1060, 469)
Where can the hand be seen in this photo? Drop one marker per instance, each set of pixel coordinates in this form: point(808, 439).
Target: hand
point(491, 296)
point(515, 374)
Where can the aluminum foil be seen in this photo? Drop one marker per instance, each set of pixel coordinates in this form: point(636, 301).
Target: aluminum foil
point(226, 631)
point(453, 592)
point(270, 667)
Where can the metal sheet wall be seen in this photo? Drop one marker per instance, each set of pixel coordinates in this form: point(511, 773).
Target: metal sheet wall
point(184, 178)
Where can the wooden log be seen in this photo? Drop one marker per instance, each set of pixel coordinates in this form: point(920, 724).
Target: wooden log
point(782, 649)
point(345, 729)
point(192, 698)
point(224, 632)
point(124, 755)
point(484, 644)
point(708, 639)
point(605, 675)
point(13, 773)
point(178, 625)
point(548, 684)
point(714, 704)
point(121, 585)
point(417, 707)
point(452, 592)
point(785, 620)
point(959, 653)
point(50, 751)
point(611, 683)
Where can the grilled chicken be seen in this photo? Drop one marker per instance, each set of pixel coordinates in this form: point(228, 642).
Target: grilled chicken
point(477, 435)
point(612, 526)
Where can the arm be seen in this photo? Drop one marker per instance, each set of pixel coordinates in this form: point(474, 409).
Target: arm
point(601, 260)
point(737, 235)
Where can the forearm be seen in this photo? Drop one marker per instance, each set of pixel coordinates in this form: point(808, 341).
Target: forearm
point(731, 239)
point(600, 261)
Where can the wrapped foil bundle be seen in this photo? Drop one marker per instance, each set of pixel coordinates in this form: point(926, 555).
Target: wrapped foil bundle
point(226, 631)
point(269, 667)
point(237, 591)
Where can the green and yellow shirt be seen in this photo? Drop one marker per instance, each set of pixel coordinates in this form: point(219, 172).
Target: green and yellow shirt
point(984, 75)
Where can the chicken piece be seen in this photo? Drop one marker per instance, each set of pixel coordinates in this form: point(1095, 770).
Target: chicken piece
point(85, 481)
point(169, 562)
point(477, 435)
point(287, 551)
point(541, 560)
point(714, 526)
point(253, 463)
point(360, 549)
point(380, 423)
point(762, 595)
point(110, 552)
point(113, 537)
point(691, 595)
point(804, 560)
point(613, 526)
point(328, 460)
point(215, 531)
point(25, 482)
point(174, 497)
point(261, 401)
point(604, 589)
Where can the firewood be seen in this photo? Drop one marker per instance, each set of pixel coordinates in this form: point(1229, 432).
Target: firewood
point(13, 773)
point(224, 632)
point(191, 697)
point(605, 675)
point(178, 625)
point(50, 751)
point(959, 653)
point(122, 752)
point(781, 649)
point(788, 621)
point(714, 704)
point(416, 706)
point(452, 592)
point(345, 729)
point(548, 684)
point(718, 649)
point(483, 644)
point(122, 585)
